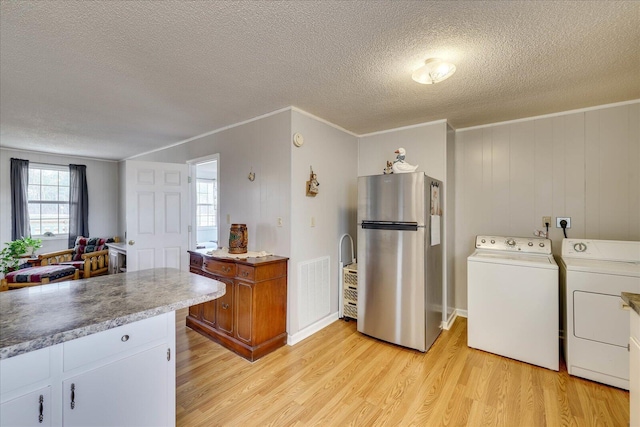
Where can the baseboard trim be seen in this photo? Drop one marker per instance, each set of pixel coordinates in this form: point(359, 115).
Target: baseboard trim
point(456, 313)
point(312, 329)
point(449, 323)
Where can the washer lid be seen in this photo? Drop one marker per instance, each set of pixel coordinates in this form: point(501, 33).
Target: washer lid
point(526, 260)
point(604, 267)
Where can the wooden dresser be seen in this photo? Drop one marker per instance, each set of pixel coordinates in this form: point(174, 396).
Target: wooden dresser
point(251, 318)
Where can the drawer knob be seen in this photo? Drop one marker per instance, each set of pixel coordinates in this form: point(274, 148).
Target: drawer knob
point(124, 338)
point(245, 273)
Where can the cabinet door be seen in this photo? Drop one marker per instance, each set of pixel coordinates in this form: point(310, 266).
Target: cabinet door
point(33, 409)
point(634, 381)
point(113, 262)
point(225, 308)
point(195, 311)
point(209, 313)
point(130, 392)
point(244, 298)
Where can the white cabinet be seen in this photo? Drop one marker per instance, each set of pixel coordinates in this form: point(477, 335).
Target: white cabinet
point(123, 376)
point(31, 409)
point(127, 392)
point(634, 370)
point(117, 257)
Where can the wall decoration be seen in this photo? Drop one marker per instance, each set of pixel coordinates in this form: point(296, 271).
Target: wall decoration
point(312, 184)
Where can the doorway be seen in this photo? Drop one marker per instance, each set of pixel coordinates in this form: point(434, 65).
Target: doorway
point(205, 201)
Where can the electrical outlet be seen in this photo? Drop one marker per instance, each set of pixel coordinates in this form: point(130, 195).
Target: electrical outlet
point(558, 219)
point(546, 220)
point(313, 221)
point(279, 222)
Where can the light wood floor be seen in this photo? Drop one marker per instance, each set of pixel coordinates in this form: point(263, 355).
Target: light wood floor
point(339, 377)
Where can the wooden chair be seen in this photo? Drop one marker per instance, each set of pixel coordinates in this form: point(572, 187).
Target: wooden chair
point(34, 276)
point(89, 264)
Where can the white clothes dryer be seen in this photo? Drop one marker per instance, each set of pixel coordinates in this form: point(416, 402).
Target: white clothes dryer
point(593, 274)
point(513, 301)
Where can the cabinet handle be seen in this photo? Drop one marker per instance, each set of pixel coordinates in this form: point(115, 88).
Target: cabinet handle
point(225, 305)
point(41, 417)
point(226, 269)
point(73, 396)
point(245, 273)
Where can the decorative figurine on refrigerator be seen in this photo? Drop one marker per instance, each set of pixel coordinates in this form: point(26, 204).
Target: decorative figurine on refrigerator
point(389, 169)
point(400, 165)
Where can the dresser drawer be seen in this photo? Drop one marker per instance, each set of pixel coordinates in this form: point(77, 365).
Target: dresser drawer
point(92, 348)
point(195, 261)
point(246, 272)
point(227, 269)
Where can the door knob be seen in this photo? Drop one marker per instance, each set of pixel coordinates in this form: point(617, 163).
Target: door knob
point(132, 242)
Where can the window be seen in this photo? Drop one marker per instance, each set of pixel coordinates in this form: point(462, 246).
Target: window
point(207, 203)
point(48, 199)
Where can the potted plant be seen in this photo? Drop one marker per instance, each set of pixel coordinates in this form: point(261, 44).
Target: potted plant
point(10, 256)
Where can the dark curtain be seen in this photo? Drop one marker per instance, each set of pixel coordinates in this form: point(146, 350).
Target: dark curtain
point(78, 203)
point(19, 200)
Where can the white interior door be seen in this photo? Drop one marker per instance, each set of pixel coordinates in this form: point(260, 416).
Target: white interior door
point(157, 201)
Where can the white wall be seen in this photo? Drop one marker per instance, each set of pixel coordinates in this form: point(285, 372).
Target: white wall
point(425, 145)
point(102, 182)
point(432, 147)
point(333, 155)
point(261, 145)
point(584, 165)
point(265, 146)
point(450, 229)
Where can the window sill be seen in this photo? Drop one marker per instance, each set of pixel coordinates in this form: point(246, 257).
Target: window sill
point(51, 238)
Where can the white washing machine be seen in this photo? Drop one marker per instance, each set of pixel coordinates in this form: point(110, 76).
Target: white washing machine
point(593, 273)
point(513, 299)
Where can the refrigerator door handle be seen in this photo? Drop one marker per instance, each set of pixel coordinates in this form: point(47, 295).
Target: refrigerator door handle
point(387, 225)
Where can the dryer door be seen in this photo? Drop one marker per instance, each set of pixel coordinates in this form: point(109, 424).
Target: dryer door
point(600, 317)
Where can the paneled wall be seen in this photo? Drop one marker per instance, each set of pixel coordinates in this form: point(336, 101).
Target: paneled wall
point(583, 165)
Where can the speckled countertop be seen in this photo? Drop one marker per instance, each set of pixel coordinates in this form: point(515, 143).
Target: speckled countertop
point(633, 300)
point(41, 316)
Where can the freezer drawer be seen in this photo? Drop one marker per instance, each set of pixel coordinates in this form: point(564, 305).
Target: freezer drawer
point(391, 286)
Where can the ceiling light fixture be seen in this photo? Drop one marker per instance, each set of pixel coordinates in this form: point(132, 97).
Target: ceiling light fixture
point(433, 71)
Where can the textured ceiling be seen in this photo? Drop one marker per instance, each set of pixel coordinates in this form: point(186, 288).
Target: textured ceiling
point(113, 79)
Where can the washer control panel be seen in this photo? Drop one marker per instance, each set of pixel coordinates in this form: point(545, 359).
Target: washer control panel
point(514, 244)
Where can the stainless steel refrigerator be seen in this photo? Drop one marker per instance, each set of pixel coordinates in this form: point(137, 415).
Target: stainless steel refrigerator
point(400, 258)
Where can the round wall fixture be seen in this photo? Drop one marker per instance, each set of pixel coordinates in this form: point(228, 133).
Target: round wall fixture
point(298, 140)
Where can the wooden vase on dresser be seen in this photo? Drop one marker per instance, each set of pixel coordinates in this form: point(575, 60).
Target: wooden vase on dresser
point(251, 318)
